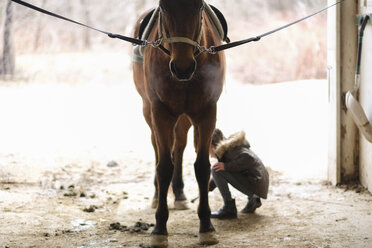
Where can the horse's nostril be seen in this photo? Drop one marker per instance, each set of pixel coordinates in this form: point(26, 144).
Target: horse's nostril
point(192, 67)
point(173, 68)
point(183, 74)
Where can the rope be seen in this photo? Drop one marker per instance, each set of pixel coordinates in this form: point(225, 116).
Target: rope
point(111, 35)
point(201, 49)
point(213, 49)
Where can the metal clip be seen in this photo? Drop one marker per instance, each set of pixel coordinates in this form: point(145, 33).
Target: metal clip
point(212, 50)
point(154, 44)
point(202, 49)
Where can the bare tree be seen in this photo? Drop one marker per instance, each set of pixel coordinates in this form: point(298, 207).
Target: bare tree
point(7, 63)
point(86, 14)
point(38, 28)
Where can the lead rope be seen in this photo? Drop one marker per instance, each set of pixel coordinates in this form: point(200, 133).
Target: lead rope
point(362, 26)
point(158, 43)
point(111, 35)
point(216, 49)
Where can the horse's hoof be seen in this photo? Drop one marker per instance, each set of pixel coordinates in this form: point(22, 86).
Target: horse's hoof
point(154, 203)
point(181, 205)
point(158, 240)
point(208, 238)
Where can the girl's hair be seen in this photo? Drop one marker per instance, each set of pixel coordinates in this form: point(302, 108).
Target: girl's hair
point(217, 137)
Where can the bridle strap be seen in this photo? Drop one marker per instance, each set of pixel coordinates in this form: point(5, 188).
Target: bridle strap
point(180, 40)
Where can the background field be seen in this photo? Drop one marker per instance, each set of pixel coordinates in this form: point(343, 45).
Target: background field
point(295, 53)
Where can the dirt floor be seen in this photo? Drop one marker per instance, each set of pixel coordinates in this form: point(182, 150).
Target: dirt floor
point(78, 204)
point(76, 164)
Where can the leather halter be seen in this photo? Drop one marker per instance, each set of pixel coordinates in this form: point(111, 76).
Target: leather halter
point(163, 39)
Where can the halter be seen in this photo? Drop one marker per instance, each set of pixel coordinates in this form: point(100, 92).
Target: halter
point(163, 39)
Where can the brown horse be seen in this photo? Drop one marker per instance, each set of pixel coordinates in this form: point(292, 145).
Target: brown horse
point(178, 90)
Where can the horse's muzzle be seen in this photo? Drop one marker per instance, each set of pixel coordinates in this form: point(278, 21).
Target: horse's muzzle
point(183, 74)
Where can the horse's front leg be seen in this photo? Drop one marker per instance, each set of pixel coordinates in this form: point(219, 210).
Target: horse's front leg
point(204, 129)
point(146, 109)
point(180, 133)
point(163, 125)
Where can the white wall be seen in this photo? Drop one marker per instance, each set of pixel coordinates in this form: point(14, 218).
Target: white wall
point(365, 98)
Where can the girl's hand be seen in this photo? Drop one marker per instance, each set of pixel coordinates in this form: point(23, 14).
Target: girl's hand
point(220, 166)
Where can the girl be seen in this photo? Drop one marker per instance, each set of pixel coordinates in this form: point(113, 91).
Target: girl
point(239, 166)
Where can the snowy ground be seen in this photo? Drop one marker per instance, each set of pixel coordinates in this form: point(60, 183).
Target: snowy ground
point(46, 119)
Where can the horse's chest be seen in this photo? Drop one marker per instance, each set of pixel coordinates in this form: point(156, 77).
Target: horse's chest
point(183, 98)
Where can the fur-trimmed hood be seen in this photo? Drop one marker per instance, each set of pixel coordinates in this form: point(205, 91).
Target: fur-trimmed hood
point(234, 140)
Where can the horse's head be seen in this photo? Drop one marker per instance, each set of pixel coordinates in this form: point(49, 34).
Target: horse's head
point(180, 23)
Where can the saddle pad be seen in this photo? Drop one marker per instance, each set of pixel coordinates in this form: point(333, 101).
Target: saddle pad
point(148, 22)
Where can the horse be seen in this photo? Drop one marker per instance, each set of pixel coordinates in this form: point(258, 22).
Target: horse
point(181, 129)
point(180, 87)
